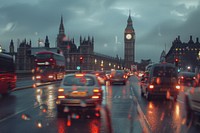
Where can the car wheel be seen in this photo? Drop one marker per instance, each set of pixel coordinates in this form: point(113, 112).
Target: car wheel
point(124, 83)
point(142, 93)
point(148, 96)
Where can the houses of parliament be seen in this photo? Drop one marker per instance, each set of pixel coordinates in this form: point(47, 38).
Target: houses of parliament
point(25, 55)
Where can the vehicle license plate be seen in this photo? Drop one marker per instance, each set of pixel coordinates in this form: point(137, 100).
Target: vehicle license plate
point(163, 89)
point(78, 94)
point(75, 101)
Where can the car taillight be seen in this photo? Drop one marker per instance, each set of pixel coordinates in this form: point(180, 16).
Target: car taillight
point(60, 90)
point(96, 90)
point(61, 93)
point(178, 87)
point(97, 74)
point(61, 97)
point(96, 93)
point(182, 77)
point(38, 77)
point(151, 86)
point(95, 97)
point(50, 76)
point(194, 77)
point(79, 75)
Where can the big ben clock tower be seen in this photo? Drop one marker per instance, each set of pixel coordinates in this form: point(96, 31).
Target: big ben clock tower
point(129, 42)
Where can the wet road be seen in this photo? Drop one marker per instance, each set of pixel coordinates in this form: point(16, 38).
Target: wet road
point(123, 111)
point(165, 116)
point(34, 110)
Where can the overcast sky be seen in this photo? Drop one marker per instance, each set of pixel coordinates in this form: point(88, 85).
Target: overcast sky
point(156, 22)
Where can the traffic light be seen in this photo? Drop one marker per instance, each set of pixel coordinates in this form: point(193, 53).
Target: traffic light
point(81, 60)
point(176, 62)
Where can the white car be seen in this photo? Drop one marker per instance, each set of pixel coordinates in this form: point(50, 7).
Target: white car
point(79, 92)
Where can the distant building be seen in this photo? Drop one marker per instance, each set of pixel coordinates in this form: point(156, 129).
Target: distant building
point(25, 54)
point(143, 64)
point(91, 59)
point(129, 44)
point(186, 53)
point(162, 56)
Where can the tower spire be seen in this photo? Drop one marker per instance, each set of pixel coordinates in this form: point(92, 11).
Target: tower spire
point(61, 28)
point(129, 41)
point(46, 42)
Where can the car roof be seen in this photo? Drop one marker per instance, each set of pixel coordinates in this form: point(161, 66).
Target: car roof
point(187, 73)
point(163, 64)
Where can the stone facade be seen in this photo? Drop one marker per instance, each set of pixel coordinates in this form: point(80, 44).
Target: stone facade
point(186, 53)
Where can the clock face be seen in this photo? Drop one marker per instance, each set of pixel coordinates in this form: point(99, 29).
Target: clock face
point(128, 36)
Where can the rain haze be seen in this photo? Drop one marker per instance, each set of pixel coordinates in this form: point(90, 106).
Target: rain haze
point(156, 22)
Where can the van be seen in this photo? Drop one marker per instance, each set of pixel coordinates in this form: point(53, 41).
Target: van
point(161, 80)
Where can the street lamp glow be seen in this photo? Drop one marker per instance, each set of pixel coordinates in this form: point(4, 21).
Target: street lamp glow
point(0, 49)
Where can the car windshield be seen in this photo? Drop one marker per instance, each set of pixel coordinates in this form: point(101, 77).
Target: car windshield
point(161, 71)
point(117, 72)
point(99, 66)
point(43, 56)
point(78, 81)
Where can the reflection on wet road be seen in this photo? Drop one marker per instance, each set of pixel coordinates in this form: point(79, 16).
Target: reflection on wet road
point(34, 110)
point(164, 115)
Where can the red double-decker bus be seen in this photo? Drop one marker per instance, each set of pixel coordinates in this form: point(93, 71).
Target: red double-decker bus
point(7, 74)
point(49, 66)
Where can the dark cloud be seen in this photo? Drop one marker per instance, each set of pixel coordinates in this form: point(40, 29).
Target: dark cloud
point(156, 23)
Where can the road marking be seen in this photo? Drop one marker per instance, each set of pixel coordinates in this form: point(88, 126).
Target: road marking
point(6, 118)
point(143, 121)
point(18, 112)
